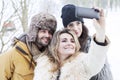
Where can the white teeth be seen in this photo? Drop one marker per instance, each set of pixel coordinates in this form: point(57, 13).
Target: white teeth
point(69, 47)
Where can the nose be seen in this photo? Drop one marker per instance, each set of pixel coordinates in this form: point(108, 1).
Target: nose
point(75, 27)
point(69, 43)
point(47, 34)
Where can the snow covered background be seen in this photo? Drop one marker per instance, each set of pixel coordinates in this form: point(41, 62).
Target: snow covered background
point(112, 31)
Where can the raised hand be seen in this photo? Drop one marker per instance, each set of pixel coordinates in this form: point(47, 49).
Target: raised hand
point(100, 26)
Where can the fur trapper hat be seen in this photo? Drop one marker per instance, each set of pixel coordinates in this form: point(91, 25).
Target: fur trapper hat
point(41, 21)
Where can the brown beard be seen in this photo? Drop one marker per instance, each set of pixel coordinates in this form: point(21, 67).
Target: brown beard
point(40, 44)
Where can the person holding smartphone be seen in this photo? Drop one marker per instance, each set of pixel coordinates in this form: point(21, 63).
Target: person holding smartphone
point(74, 21)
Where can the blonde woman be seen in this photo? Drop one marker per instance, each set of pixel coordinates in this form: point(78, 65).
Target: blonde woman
point(64, 61)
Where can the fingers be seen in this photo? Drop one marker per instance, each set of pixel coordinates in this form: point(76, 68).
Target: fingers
point(101, 20)
point(101, 13)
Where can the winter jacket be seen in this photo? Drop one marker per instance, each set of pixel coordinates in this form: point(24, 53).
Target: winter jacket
point(15, 63)
point(105, 73)
point(82, 67)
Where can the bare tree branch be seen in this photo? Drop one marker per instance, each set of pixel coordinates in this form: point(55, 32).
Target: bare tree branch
point(1, 13)
point(16, 9)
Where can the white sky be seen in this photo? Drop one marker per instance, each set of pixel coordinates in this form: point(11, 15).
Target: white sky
point(113, 30)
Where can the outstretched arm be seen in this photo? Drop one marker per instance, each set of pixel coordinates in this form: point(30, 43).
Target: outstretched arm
point(96, 57)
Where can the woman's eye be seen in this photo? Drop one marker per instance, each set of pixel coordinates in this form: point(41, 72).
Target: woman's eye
point(78, 22)
point(73, 41)
point(70, 25)
point(63, 40)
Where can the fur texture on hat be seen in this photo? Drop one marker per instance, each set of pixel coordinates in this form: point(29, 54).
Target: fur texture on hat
point(68, 14)
point(41, 21)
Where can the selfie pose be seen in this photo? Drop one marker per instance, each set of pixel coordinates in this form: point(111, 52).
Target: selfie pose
point(72, 18)
point(65, 61)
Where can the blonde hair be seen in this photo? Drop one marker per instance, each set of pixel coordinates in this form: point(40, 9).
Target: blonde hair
point(53, 47)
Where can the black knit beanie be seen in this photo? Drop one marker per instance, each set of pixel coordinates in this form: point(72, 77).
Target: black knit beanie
point(68, 15)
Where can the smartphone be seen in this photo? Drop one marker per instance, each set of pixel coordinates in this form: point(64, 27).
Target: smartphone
point(84, 12)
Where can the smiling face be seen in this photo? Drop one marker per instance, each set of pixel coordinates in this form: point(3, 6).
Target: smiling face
point(44, 37)
point(76, 26)
point(64, 45)
point(67, 45)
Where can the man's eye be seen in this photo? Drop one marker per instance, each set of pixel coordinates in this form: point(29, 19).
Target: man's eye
point(43, 31)
point(50, 32)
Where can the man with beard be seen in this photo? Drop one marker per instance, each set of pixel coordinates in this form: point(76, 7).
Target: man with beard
point(18, 63)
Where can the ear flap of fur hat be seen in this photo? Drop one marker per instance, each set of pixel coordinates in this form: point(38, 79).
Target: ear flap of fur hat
point(41, 21)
